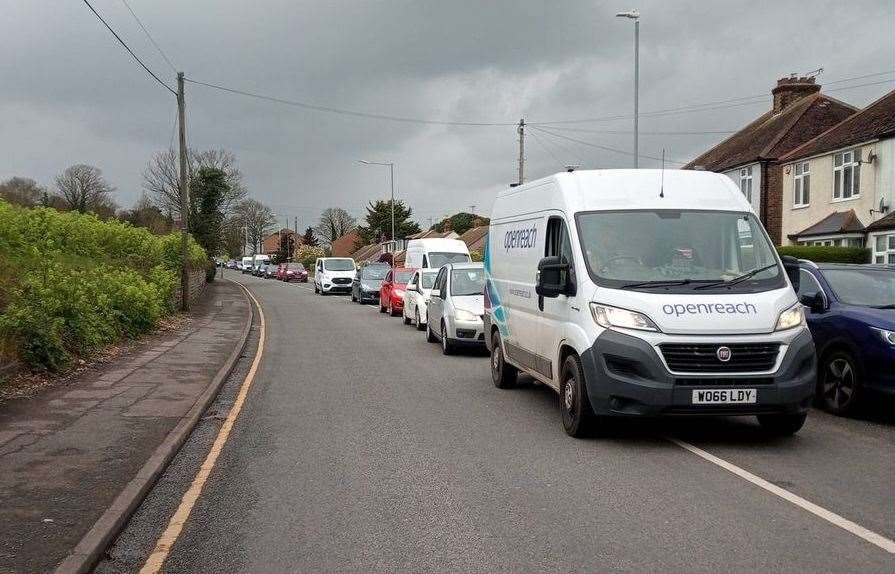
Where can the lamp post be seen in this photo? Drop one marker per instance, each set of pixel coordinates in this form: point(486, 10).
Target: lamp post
point(635, 15)
point(391, 171)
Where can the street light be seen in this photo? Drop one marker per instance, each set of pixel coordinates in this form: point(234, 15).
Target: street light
point(635, 15)
point(391, 171)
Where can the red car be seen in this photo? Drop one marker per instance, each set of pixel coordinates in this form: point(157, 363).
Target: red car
point(292, 272)
point(391, 292)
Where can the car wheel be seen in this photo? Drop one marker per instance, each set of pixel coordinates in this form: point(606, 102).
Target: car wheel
point(503, 376)
point(405, 317)
point(578, 419)
point(316, 289)
point(430, 336)
point(419, 326)
point(446, 347)
point(382, 308)
point(353, 298)
point(391, 311)
point(839, 384)
point(782, 425)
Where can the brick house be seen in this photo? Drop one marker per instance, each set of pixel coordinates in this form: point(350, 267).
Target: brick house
point(271, 243)
point(344, 246)
point(839, 186)
point(750, 156)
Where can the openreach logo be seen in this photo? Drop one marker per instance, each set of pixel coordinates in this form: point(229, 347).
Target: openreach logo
point(679, 310)
point(520, 238)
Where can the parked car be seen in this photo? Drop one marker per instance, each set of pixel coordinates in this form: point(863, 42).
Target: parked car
point(333, 275)
point(456, 306)
point(367, 281)
point(270, 271)
point(416, 297)
point(292, 272)
point(851, 314)
point(258, 271)
point(391, 292)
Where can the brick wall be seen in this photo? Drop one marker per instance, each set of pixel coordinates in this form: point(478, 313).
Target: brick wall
point(197, 287)
point(773, 201)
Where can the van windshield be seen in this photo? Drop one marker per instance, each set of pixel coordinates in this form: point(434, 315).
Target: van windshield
point(338, 264)
point(440, 259)
point(679, 250)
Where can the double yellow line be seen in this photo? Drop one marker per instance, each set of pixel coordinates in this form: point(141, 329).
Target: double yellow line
point(166, 541)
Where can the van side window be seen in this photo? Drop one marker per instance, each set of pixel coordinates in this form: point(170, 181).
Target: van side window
point(559, 244)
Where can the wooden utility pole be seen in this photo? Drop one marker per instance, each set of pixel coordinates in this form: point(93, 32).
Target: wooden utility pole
point(521, 131)
point(184, 200)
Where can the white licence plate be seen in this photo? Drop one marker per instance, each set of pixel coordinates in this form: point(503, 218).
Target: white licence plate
point(724, 396)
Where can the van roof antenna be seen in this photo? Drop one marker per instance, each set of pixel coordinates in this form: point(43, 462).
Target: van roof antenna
point(662, 181)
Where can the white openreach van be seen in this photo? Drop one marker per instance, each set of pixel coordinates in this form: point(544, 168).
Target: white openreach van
point(638, 292)
point(435, 252)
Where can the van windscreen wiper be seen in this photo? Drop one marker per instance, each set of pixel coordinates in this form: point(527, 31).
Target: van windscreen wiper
point(738, 278)
point(656, 284)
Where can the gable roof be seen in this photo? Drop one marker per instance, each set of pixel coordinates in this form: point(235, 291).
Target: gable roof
point(366, 252)
point(474, 238)
point(772, 135)
point(887, 222)
point(836, 222)
point(873, 122)
point(344, 246)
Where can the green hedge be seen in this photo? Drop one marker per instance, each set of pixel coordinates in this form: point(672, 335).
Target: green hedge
point(827, 254)
point(71, 284)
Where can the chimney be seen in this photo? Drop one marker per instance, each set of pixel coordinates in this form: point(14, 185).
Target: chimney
point(792, 89)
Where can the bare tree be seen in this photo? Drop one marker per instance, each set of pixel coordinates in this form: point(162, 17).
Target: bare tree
point(162, 182)
point(145, 214)
point(334, 223)
point(257, 219)
point(83, 188)
point(22, 191)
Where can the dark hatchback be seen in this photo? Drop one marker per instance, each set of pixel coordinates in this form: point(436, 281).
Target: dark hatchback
point(366, 283)
point(851, 314)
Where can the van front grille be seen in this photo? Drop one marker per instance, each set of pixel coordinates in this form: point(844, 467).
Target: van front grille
point(706, 357)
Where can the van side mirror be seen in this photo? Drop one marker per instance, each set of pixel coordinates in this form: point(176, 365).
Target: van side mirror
point(553, 277)
point(791, 265)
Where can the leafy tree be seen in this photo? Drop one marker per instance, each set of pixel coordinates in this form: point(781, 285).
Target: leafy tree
point(233, 237)
point(309, 238)
point(307, 255)
point(208, 192)
point(286, 248)
point(21, 191)
point(460, 223)
point(83, 188)
point(379, 222)
point(334, 223)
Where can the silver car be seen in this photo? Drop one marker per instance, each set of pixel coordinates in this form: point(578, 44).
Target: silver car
point(456, 305)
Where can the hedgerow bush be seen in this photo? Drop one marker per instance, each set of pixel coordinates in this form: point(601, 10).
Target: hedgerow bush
point(827, 254)
point(71, 284)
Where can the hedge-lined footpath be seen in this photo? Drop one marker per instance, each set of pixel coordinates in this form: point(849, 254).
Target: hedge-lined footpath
point(827, 253)
point(71, 284)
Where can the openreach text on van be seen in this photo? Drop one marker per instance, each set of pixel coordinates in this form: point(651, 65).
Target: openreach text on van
point(710, 309)
point(520, 238)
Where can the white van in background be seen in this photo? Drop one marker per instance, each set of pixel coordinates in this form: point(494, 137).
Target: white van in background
point(253, 261)
point(333, 274)
point(432, 253)
point(645, 292)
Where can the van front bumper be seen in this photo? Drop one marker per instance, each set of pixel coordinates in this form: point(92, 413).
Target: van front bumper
point(626, 376)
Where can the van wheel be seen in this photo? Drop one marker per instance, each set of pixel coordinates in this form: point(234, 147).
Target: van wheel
point(446, 347)
point(316, 290)
point(419, 326)
point(430, 336)
point(782, 425)
point(578, 419)
point(839, 384)
point(405, 317)
point(503, 376)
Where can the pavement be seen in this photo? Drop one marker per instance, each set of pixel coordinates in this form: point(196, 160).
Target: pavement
point(361, 448)
point(67, 454)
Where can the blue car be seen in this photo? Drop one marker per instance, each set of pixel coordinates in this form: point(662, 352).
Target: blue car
point(851, 314)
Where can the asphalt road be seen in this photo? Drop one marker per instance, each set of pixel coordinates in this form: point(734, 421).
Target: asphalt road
point(362, 448)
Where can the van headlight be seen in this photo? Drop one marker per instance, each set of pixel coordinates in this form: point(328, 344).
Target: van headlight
point(792, 317)
point(607, 317)
point(462, 315)
point(888, 336)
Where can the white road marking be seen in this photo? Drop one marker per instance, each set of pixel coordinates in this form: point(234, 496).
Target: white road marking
point(166, 541)
point(831, 517)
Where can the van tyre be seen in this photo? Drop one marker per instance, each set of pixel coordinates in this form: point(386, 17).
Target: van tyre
point(419, 326)
point(782, 425)
point(839, 386)
point(578, 419)
point(316, 289)
point(503, 376)
point(405, 317)
point(430, 336)
point(447, 348)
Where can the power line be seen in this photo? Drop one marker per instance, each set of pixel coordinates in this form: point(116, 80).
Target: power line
point(346, 112)
point(598, 146)
point(126, 47)
point(148, 35)
point(643, 133)
point(544, 145)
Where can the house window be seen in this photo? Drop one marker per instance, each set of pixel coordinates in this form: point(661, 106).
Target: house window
point(802, 187)
point(847, 174)
point(884, 249)
point(746, 182)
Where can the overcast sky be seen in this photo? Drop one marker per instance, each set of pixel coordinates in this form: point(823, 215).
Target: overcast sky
point(70, 94)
